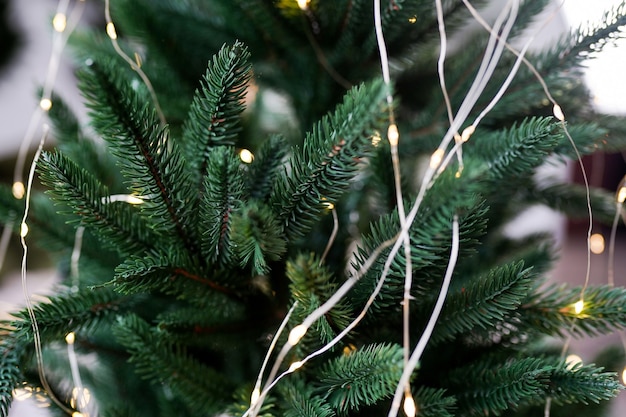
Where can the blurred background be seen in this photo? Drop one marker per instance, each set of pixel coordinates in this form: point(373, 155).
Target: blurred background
point(25, 47)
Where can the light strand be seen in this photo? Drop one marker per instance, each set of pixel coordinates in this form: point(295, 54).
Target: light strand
point(78, 383)
point(430, 326)
point(112, 34)
point(75, 258)
point(333, 235)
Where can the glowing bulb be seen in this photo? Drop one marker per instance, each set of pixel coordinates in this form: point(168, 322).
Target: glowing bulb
point(255, 396)
point(303, 4)
point(393, 135)
point(376, 139)
point(436, 158)
point(329, 205)
point(410, 409)
point(77, 414)
point(246, 156)
point(59, 22)
point(18, 190)
point(467, 132)
point(296, 334)
point(573, 360)
point(70, 338)
point(294, 366)
point(621, 195)
point(558, 112)
point(412, 19)
point(596, 243)
point(125, 198)
point(23, 229)
point(45, 104)
point(111, 31)
point(579, 306)
point(624, 375)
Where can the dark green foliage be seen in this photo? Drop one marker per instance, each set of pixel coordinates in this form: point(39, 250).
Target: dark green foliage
point(178, 298)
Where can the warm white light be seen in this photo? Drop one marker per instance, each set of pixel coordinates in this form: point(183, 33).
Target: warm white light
point(23, 229)
point(579, 306)
point(124, 198)
point(410, 409)
point(596, 243)
point(436, 158)
point(412, 19)
point(393, 135)
point(22, 394)
point(624, 375)
point(255, 396)
point(70, 338)
point(621, 195)
point(303, 4)
point(294, 366)
point(18, 190)
point(111, 31)
point(246, 156)
point(558, 112)
point(45, 104)
point(376, 139)
point(59, 22)
point(467, 132)
point(329, 205)
point(296, 334)
point(77, 414)
point(573, 360)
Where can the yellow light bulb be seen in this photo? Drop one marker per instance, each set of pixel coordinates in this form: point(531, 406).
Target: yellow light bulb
point(70, 338)
point(624, 375)
point(255, 396)
point(18, 190)
point(467, 133)
point(558, 112)
point(296, 334)
point(23, 229)
point(246, 156)
point(303, 4)
point(410, 409)
point(573, 360)
point(412, 19)
point(393, 135)
point(579, 306)
point(436, 158)
point(295, 365)
point(111, 31)
point(59, 22)
point(596, 243)
point(45, 104)
point(621, 195)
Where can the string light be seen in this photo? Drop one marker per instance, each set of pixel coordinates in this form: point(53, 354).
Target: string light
point(111, 32)
point(59, 22)
point(124, 198)
point(621, 195)
point(596, 243)
point(246, 156)
point(18, 190)
point(393, 135)
point(558, 112)
point(296, 334)
point(376, 138)
point(624, 375)
point(412, 19)
point(23, 229)
point(436, 158)
point(45, 104)
point(572, 361)
point(295, 365)
point(303, 4)
point(409, 407)
point(578, 306)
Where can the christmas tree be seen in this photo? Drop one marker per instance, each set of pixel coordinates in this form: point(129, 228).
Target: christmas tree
point(339, 254)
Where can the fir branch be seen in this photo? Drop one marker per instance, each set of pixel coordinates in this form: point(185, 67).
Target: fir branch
point(363, 377)
point(432, 402)
point(10, 375)
point(265, 167)
point(200, 388)
point(118, 225)
point(300, 401)
point(151, 163)
point(330, 158)
point(216, 108)
point(223, 196)
point(485, 301)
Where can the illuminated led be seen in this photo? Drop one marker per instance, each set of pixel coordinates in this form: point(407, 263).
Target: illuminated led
point(246, 156)
point(59, 22)
point(393, 135)
point(573, 360)
point(255, 396)
point(348, 350)
point(579, 306)
point(23, 229)
point(329, 205)
point(18, 190)
point(624, 375)
point(296, 334)
point(410, 409)
point(621, 195)
point(457, 174)
point(467, 132)
point(412, 19)
point(376, 139)
point(45, 104)
point(294, 366)
point(596, 243)
point(125, 198)
point(303, 4)
point(436, 158)
point(111, 31)
point(558, 113)
point(70, 338)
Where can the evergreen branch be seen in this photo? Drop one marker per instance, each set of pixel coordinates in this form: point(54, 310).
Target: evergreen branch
point(433, 402)
point(118, 225)
point(552, 311)
point(265, 167)
point(257, 237)
point(582, 384)
point(10, 375)
point(216, 108)
point(200, 388)
point(300, 401)
point(485, 301)
point(330, 158)
point(222, 198)
point(363, 377)
point(151, 163)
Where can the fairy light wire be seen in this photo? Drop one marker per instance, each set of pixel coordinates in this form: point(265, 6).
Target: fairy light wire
point(333, 235)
